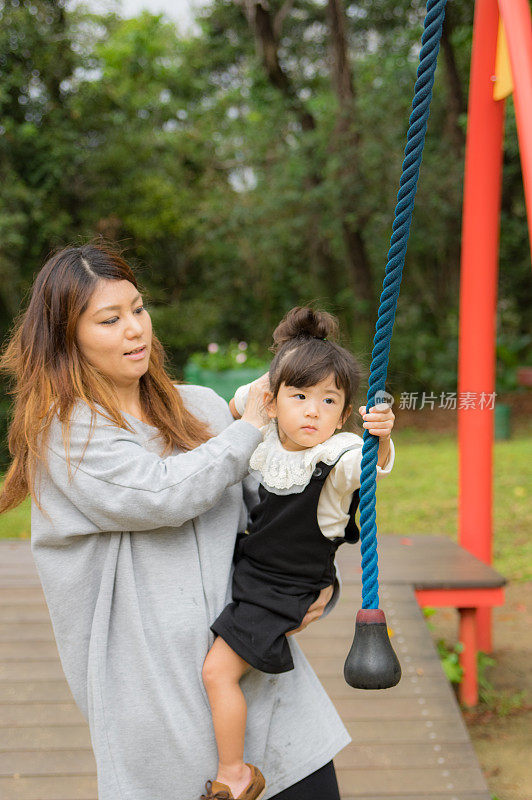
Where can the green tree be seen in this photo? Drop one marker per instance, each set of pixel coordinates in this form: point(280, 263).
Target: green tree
point(38, 157)
point(250, 166)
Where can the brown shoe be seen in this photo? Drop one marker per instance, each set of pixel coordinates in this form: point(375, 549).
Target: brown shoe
point(217, 791)
point(256, 787)
point(253, 791)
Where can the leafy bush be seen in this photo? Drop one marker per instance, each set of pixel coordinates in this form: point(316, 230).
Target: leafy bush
point(235, 355)
point(497, 701)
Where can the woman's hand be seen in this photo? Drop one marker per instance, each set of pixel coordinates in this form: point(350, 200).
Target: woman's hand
point(316, 610)
point(259, 394)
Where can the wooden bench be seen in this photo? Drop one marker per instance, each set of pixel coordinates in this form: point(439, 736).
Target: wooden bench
point(442, 574)
point(409, 742)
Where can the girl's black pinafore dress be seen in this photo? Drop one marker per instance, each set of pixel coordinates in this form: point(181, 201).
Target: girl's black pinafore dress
point(281, 565)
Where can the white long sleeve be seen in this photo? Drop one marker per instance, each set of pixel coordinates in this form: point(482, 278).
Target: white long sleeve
point(338, 489)
point(241, 397)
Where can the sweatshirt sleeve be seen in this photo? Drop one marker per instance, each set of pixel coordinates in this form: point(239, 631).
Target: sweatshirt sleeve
point(250, 486)
point(120, 485)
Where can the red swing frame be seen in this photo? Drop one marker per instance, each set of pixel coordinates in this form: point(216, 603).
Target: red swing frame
point(478, 299)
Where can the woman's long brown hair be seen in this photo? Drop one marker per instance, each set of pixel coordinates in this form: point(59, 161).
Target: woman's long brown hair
point(50, 374)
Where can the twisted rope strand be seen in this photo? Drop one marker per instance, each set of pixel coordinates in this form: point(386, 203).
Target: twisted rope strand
point(415, 141)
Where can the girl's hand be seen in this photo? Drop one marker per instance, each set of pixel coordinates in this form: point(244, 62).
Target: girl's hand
point(316, 610)
point(379, 420)
point(255, 411)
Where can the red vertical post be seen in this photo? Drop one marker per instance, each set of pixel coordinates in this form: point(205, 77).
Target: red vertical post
point(468, 656)
point(517, 21)
point(478, 295)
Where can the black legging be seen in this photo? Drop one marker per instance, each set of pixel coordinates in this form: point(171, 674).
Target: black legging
point(320, 785)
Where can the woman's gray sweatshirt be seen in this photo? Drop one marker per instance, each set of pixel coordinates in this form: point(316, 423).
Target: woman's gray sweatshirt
point(134, 552)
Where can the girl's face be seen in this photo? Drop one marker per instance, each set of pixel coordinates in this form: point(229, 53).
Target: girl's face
point(114, 332)
point(309, 416)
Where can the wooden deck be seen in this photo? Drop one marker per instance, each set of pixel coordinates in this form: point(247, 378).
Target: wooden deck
point(409, 742)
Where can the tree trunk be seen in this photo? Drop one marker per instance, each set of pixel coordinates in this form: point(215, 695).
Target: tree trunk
point(347, 143)
point(267, 38)
point(457, 105)
point(445, 289)
point(267, 29)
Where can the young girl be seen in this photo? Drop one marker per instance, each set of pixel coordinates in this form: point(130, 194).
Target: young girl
point(309, 478)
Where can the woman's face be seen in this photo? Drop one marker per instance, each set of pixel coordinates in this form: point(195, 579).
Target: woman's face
point(114, 332)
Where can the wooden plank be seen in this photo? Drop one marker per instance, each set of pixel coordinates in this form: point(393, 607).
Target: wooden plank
point(385, 782)
point(424, 562)
point(49, 788)
point(20, 581)
point(15, 544)
point(84, 788)
point(380, 705)
point(401, 594)
point(20, 714)
point(400, 755)
point(327, 666)
point(316, 644)
point(26, 632)
point(17, 569)
point(16, 556)
point(36, 762)
point(35, 692)
point(31, 670)
point(384, 731)
point(45, 737)
point(373, 732)
point(22, 595)
point(336, 686)
point(343, 627)
point(346, 611)
point(29, 651)
point(452, 795)
point(23, 612)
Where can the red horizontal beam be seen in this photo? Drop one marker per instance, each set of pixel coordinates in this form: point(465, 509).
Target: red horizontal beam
point(461, 598)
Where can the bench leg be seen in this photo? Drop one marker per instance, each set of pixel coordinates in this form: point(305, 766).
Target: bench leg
point(468, 657)
point(485, 629)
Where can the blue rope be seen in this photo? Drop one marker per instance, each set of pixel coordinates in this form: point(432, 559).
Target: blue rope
point(415, 141)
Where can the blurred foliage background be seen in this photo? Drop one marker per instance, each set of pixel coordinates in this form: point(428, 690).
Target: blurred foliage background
point(249, 166)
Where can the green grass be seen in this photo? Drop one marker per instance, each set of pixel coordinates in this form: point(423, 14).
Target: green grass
point(420, 497)
point(15, 524)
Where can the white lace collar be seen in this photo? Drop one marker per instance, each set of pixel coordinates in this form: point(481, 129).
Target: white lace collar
point(288, 472)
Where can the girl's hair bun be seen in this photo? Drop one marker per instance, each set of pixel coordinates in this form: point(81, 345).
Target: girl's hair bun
point(306, 354)
point(303, 322)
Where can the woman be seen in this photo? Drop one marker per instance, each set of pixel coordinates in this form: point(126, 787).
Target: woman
point(137, 497)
